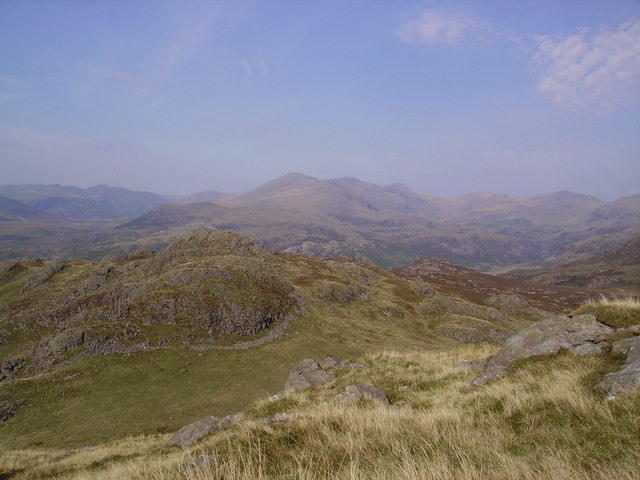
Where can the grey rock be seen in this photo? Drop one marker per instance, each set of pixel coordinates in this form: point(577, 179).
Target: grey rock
point(628, 377)
point(544, 338)
point(360, 392)
point(474, 365)
point(624, 346)
point(330, 362)
point(588, 349)
point(635, 329)
point(67, 340)
point(9, 367)
point(305, 374)
point(193, 432)
point(98, 278)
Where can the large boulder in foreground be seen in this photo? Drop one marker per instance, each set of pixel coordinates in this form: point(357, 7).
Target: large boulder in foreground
point(628, 377)
point(580, 335)
point(193, 432)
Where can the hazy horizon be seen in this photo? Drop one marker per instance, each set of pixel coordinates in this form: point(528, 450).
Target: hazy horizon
point(449, 98)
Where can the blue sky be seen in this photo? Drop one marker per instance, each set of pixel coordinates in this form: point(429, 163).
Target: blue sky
point(449, 97)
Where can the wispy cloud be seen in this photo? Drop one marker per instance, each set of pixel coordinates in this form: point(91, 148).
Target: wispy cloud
point(593, 70)
point(260, 66)
point(443, 27)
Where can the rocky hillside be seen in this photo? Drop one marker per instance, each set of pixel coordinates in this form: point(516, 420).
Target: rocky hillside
point(213, 303)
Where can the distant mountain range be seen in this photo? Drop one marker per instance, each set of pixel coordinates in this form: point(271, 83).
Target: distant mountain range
point(98, 202)
point(390, 225)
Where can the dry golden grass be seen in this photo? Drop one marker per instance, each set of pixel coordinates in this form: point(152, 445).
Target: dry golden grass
point(541, 422)
point(615, 312)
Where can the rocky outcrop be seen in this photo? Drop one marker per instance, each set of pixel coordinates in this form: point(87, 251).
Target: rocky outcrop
point(209, 243)
point(305, 374)
point(580, 335)
point(359, 393)
point(98, 278)
point(51, 346)
point(43, 275)
point(337, 293)
point(10, 270)
point(193, 432)
point(8, 367)
point(628, 377)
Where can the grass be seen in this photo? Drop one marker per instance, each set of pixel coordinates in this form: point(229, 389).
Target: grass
point(616, 312)
point(541, 422)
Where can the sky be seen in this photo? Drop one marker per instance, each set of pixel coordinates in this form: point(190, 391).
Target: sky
point(447, 97)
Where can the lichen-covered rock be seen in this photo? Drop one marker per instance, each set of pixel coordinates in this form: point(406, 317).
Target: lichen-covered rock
point(305, 374)
point(628, 377)
point(360, 392)
point(190, 434)
point(545, 338)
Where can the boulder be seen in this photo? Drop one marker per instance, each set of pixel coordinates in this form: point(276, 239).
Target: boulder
point(358, 393)
point(193, 432)
point(330, 362)
point(628, 377)
point(67, 340)
point(546, 338)
point(305, 374)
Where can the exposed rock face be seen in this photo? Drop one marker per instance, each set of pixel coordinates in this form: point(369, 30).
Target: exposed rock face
point(8, 367)
point(628, 377)
point(98, 278)
point(360, 392)
point(51, 346)
point(43, 275)
point(305, 374)
point(579, 335)
point(193, 432)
